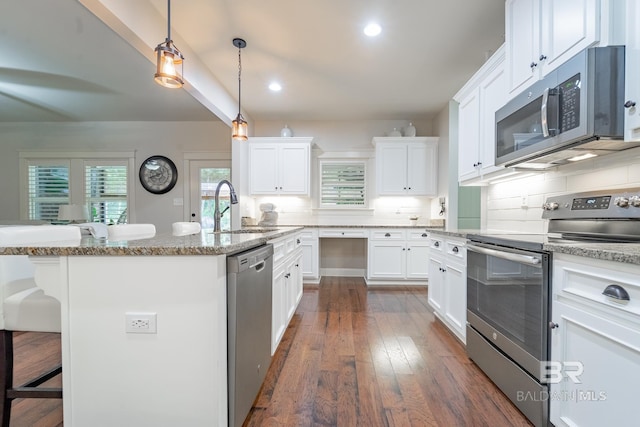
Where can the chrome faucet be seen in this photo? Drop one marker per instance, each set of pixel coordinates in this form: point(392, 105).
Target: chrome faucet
point(216, 213)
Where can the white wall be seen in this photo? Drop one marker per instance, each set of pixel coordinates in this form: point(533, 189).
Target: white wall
point(504, 210)
point(171, 139)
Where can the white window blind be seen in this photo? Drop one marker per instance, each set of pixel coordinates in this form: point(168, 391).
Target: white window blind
point(48, 189)
point(106, 193)
point(342, 184)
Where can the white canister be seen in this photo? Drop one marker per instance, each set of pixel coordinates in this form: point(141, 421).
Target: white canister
point(410, 130)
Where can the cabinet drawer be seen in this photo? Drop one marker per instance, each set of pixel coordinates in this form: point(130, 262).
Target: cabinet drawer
point(418, 235)
point(387, 235)
point(308, 234)
point(457, 250)
point(586, 279)
point(436, 243)
point(357, 233)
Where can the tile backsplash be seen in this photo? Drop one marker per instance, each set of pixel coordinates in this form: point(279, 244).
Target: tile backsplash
point(516, 205)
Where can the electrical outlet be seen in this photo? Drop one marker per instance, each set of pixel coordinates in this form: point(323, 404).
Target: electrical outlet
point(140, 323)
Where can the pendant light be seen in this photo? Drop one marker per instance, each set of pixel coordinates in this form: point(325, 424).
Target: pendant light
point(239, 132)
point(169, 63)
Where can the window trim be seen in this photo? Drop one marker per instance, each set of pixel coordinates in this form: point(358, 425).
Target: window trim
point(76, 160)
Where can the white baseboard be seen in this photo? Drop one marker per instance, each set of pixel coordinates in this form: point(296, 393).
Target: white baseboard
point(344, 272)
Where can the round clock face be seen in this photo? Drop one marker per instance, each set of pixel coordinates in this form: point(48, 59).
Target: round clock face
point(158, 174)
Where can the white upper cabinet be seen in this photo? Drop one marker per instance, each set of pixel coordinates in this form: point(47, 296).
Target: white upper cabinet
point(406, 166)
point(478, 101)
point(279, 166)
point(632, 71)
point(542, 34)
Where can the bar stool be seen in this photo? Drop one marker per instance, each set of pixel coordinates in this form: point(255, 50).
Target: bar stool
point(25, 307)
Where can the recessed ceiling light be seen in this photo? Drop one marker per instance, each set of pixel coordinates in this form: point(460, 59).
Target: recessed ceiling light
point(275, 86)
point(372, 29)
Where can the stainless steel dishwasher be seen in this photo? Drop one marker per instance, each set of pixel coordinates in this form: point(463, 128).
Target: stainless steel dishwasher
point(249, 277)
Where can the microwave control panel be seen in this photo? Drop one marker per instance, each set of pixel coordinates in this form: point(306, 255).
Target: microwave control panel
point(570, 103)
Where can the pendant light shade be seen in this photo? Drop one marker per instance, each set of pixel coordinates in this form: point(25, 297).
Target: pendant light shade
point(239, 130)
point(169, 61)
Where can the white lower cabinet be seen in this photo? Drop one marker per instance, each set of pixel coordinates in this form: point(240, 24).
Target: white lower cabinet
point(397, 254)
point(595, 344)
point(448, 282)
point(310, 255)
point(287, 284)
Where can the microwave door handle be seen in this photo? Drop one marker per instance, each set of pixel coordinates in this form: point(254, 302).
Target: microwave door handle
point(523, 259)
point(543, 113)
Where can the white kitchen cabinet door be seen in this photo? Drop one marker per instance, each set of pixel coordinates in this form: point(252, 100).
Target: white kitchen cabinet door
point(522, 42)
point(422, 166)
point(263, 172)
point(278, 301)
point(293, 169)
point(469, 136)
point(493, 96)
point(632, 71)
point(387, 259)
point(391, 161)
point(455, 298)
point(310, 260)
point(417, 260)
point(436, 283)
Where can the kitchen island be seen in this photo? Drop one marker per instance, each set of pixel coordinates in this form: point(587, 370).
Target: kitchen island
point(171, 372)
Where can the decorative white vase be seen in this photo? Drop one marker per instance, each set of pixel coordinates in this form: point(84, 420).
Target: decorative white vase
point(410, 130)
point(286, 132)
point(395, 132)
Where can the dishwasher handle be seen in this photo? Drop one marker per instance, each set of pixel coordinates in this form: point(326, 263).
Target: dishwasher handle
point(259, 266)
point(510, 256)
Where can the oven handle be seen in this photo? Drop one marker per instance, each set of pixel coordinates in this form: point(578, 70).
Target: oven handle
point(524, 259)
point(543, 113)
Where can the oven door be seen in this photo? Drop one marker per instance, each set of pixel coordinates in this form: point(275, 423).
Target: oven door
point(507, 301)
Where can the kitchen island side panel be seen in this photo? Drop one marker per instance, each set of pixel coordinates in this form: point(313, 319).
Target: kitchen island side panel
point(177, 376)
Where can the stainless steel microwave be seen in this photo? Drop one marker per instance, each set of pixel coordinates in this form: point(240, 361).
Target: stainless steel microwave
point(575, 112)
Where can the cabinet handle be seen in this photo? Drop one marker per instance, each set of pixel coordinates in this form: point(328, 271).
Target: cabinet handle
point(387, 235)
point(455, 250)
point(298, 241)
point(629, 104)
point(533, 65)
point(286, 276)
point(408, 249)
point(553, 325)
point(542, 57)
point(436, 244)
point(404, 188)
point(616, 292)
point(424, 235)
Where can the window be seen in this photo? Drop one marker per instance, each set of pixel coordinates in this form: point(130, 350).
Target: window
point(106, 192)
point(101, 182)
point(342, 184)
point(48, 189)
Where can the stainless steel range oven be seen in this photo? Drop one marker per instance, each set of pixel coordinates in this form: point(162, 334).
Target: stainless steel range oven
point(508, 314)
point(509, 289)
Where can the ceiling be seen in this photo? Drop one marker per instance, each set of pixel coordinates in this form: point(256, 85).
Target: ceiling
point(93, 60)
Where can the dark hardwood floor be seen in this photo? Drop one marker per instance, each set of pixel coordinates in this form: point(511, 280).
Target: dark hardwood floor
point(352, 356)
point(358, 356)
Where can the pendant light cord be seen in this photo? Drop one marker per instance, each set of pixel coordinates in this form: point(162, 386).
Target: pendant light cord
point(239, 76)
point(168, 20)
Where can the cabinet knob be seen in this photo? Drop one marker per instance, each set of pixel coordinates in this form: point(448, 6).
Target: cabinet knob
point(629, 104)
point(404, 188)
point(533, 65)
point(542, 57)
point(408, 249)
point(298, 241)
point(424, 235)
point(287, 275)
point(436, 244)
point(409, 188)
point(403, 249)
point(553, 325)
point(387, 235)
point(455, 250)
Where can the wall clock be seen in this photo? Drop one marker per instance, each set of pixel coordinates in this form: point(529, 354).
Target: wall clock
point(158, 174)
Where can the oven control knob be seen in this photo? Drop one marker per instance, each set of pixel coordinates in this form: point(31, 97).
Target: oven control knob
point(550, 206)
point(634, 201)
point(623, 202)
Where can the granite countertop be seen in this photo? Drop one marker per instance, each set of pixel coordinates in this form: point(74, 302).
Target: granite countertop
point(204, 243)
point(620, 252)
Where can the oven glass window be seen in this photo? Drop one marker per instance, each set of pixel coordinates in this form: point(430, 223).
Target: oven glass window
point(511, 297)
